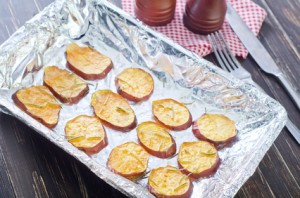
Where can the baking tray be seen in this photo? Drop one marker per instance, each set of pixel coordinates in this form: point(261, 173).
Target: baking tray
point(177, 72)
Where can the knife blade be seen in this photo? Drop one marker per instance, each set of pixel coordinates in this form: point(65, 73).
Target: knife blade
point(258, 52)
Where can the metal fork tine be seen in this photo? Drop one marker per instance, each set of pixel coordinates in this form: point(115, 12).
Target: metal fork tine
point(235, 61)
point(214, 46)
point(225, 50)
point(238, 71)
point(219, 49)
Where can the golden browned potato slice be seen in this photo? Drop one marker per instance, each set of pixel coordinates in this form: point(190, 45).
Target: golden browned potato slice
point(129, 160)
point(198, 159)
point(64, 85)
point(215, 128)
point(169, 182)
point(39, 103)
point(156, 140)
point(87, 62)
point(172, 114)
point(135, 84)
point(86, 133)
point(113, 110)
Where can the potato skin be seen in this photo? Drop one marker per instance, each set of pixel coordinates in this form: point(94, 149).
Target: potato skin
point(176, 128)
point(183, 126)
point(112, 158)
point(90, 76)
point(95, 105)
point(205, 173)
point(153, 191)
point(193, 153)
point(23, 107)
point(218, 144)
point(73, 100)
point(74, 62)
point(152, 131)
point(122, 129)
point(83, 119)
point(95, 149)
point(129, 96)
point(128, 176)
point(161, 154)
point(185, 195)
point(54, 75)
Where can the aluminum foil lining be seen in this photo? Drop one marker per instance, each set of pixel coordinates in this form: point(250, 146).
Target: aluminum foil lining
point(177, 73)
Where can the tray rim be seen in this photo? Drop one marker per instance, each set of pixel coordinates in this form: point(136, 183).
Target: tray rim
point(22, 116)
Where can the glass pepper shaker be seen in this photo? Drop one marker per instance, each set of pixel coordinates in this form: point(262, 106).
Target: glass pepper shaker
point(204, 16)
point(155, 12)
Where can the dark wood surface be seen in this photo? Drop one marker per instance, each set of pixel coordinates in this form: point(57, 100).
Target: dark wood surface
point(30, 166)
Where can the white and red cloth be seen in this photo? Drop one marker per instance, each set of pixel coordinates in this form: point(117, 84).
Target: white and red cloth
point(251, 13)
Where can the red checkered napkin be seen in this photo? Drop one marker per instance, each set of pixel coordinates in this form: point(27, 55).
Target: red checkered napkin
point(251, 13)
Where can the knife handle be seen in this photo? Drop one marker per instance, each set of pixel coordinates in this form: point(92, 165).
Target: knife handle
point(293, 93)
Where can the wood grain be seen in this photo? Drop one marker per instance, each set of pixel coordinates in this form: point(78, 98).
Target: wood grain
point(30, 166)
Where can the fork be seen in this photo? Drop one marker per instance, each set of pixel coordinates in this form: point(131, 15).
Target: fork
point(229, 63)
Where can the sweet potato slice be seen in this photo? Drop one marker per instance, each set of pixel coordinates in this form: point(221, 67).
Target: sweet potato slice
point(87, 62)
point(169, 182)
point(86, 133)
point(215, 128)
point(135, 84)
point(172, 114)
point(156, 140)
point(198, 159)
point(39, 103)
point(64, 85)
point(113, 110)
point(129, 160)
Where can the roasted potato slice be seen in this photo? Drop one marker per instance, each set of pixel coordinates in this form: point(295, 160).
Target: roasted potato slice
point(169, 182)
point(86, 133)
point(113, 110)
point(135, 84)
point(39, 103)
point(215, 128)
point(129, 160)
point(87, 62)
point(172, 114)
point(156, 140)
point(64, 85)
point(198, 159)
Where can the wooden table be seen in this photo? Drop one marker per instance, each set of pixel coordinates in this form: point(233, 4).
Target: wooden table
point(30, 166)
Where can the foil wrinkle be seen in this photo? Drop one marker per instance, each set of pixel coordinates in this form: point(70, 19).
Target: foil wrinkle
point(177, 73)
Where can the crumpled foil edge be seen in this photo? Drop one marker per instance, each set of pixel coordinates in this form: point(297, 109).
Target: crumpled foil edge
point(59, 12)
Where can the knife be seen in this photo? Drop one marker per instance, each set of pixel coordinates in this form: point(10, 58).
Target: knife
point(258, 52)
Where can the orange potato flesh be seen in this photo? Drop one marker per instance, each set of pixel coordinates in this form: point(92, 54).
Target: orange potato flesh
point(172, 114)
point(200, 159)
point(129, 160)
point(66, 86)
point(86, 133)
point(38, 102)
point(215, 128)
point(88, 63)
point(113, 110)
point(156, 140)
point(169, 182)
point(135, 84)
